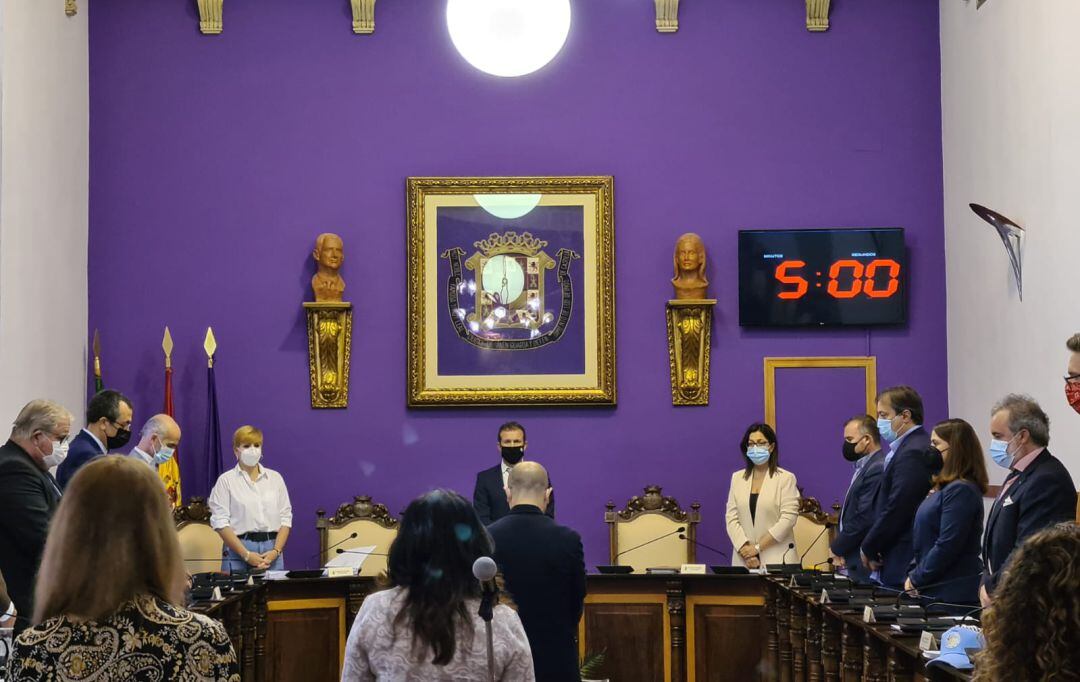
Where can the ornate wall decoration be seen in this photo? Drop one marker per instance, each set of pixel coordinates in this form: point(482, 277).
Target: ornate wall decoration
point(329, 326)
point(667, 16)
point(689, 324)
point(210, 16)
point(70, 8)
point(363, 16)
point(817, 15)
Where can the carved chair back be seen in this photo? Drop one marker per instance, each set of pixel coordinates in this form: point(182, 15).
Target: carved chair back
point(645, 518)
point(200, 544)
point(372, 524)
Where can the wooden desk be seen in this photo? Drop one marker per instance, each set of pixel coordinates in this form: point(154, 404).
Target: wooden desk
point(814, 642)
point(243, 614)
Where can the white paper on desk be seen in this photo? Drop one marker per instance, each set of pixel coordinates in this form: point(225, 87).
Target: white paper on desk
point(352, 558)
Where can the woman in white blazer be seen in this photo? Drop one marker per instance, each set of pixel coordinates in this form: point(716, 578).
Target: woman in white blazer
point(763, 504)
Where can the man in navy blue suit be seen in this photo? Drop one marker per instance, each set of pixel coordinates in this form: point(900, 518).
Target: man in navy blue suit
point(108, 427)
point(489, 494)
point(862, 445)
point(1038, 491)
point(544, 567)
point(888, 547)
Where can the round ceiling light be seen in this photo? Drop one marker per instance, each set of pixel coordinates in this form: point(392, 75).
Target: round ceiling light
point(508, 37)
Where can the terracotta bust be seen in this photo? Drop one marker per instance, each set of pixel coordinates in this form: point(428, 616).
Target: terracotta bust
point(689, 280)
point(329, 254)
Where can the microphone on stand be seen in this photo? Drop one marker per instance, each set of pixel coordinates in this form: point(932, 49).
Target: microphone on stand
point(908, 593)
point(683, 536)
point(828, 561)
point(680, 529)
point(823, 531)
point(360, 551)
point(484, 570)
point(318, 555)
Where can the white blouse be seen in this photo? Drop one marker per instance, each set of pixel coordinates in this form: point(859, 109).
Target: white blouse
point(246, 506)
point(376, 650)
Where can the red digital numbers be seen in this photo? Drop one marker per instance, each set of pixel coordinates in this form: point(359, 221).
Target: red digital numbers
point(863, 279)
point(801, 285)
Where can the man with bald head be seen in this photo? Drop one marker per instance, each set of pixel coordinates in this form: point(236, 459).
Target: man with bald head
point(158, 440)
point(543, 564)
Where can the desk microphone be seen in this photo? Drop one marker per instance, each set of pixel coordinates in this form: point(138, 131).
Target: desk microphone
point(318, 555)
point(484, 570)
point(902, 593)
point(680, 529)
point(823, 530)
point(722, 553)
point(828, 561)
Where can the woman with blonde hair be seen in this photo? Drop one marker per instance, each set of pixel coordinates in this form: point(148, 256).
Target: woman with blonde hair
point(250, 508)
point(110, 587)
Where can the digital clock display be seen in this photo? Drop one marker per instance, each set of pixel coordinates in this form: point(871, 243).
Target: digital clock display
point(822, 277)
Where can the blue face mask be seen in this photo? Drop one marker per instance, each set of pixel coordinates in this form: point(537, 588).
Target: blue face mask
point(884, 427)
point(164, 454)
point(758, 454)
point(999, 451)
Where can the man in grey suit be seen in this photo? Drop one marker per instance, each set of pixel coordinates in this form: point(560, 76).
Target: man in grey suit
point(862, 445)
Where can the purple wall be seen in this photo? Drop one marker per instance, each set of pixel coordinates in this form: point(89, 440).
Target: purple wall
point(215, 161)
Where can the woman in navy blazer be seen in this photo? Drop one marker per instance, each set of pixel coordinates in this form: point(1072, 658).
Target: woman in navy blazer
point(948, 524)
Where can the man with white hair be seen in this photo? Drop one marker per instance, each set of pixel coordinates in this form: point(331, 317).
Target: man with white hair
point(29, 495)
point(158, 440)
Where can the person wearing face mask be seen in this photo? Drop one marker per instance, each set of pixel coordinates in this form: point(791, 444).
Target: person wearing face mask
point(108, 428)
point(489, 493)
point(762, 504)
point(1038, 491)
point(158, 440)
point(908, 468)
point(1072, 374)
point(948, 523)
point(250, 508)
point(862, 446)
point(29, 495)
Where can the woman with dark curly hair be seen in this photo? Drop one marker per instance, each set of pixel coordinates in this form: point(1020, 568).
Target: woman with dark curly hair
point(1033, 626)
point(425, 627)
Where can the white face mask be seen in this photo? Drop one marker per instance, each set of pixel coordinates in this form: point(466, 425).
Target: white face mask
point(250, 456)
point(59, 454)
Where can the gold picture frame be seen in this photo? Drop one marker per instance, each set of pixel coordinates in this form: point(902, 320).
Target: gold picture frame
point(867, 363)
point(529, 317)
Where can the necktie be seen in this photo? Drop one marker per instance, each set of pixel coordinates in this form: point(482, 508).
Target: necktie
point(1013, 475)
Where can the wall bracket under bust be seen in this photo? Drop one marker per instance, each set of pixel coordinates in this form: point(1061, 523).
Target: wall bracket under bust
point(817, 15)
point(667, 16)
point(363, 16)
point(210, 16)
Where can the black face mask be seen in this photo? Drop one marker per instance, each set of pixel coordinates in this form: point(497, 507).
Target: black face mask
point(512, 454)
point(119, 440)
point(933, 456)
point(849, 452)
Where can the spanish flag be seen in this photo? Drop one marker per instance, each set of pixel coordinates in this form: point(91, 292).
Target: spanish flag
point(170, 471)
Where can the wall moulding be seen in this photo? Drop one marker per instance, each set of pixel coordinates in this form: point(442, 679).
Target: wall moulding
point(363, 16)
point(817, 15)
point(667, 16)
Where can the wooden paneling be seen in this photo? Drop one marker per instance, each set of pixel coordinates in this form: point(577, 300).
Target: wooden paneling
point(305, 640)
point(724, 639)
point(632, 634)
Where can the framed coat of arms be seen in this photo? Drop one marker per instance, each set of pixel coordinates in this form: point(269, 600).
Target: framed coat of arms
point(511, 291)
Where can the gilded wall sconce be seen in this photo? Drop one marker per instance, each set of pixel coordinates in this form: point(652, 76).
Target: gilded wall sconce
point(667, 16)
point(363, 16)
point(329, 327)
point(210, 16)
point(70, 8)
point(689, 324)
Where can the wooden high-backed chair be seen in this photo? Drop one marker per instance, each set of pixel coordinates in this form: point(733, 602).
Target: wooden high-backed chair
point(200, 544)
point(814, 530)
point(369, 520)
point(645, 518)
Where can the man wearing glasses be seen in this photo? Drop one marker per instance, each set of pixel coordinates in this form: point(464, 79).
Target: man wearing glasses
point(1072, 378)
point(29, 496)
point(108, 428)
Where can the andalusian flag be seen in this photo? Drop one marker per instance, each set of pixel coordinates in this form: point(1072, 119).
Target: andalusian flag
point(170, 471)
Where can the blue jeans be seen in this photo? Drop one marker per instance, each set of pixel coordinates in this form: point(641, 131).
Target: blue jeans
point(232, 562)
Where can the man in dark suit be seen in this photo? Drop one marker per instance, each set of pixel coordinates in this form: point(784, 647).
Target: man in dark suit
point(29, 495)
point(108, 427)
point(888, 548)
point(489, 494)
point(862, 445)
point(544, 567)
point(1038, 491)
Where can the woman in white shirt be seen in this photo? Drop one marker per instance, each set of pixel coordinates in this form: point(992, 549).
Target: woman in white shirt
point(250, 508)
point(426, 627)
point(763, 504)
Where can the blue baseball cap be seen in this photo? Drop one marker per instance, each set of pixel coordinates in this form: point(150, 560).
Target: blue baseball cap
point(957, 644)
